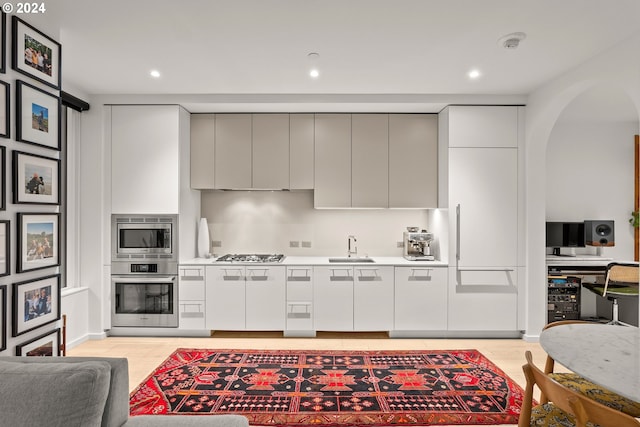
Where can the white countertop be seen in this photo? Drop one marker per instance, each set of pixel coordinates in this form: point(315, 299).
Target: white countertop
point(319, 260)
point(578, 260)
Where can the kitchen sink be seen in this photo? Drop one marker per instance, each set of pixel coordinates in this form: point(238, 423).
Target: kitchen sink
point(351, 260)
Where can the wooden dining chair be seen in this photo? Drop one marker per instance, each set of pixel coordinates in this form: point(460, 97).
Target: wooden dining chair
point(586, 387)
point(566, 407)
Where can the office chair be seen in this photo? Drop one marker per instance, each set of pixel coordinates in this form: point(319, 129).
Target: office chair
point(621, 280)
point(585, 387)
point(568, 408)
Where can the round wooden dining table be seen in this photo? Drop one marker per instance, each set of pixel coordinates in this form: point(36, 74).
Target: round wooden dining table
point(607, 355)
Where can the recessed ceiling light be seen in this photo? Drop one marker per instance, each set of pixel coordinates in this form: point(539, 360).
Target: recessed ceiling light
point(313, 57)
point(155, 73)
point(474, 74)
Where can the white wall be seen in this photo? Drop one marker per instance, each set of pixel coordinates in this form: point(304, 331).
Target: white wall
point(618, 67)
point(264, 221)
point(597, 159)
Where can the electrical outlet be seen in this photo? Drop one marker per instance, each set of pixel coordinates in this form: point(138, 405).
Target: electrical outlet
point(400, 244)
point(294, 244)
point(306, 244)
point(216, 243)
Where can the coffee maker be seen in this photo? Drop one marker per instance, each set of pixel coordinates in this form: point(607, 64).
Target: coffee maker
point(417, 245)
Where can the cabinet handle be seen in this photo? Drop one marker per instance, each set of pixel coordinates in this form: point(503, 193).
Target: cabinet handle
point(227, 276)
point(420, 277)
point(457, 233)
point(506, 269)
point(258, 277)
point(293, 278)
point(363, 277)
point(340, 277)
point(294, 312)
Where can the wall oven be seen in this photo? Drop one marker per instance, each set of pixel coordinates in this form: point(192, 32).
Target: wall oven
point(144, 271)
point(144, 294)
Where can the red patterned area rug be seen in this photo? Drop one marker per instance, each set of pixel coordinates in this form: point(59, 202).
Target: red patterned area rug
point(332, 388)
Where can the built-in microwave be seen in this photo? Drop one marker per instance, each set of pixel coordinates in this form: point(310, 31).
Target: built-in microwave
point(136, 237)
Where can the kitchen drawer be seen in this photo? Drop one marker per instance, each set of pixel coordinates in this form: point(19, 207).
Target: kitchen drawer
point(191, 315)
point(299, 316)
point(191, 273)
point(191, 290)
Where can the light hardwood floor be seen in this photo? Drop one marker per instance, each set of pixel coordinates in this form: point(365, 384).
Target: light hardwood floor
point(145, 354)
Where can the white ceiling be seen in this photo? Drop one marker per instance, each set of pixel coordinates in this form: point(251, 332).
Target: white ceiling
point(252, 52)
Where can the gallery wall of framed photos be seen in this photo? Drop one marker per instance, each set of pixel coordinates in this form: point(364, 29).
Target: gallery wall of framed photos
point(30, 189)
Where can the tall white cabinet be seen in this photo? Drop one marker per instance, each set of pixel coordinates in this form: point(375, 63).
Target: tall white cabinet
point(145, 146)
point(481, 185)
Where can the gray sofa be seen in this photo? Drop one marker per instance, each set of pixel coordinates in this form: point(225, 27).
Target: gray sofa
point(82, 392)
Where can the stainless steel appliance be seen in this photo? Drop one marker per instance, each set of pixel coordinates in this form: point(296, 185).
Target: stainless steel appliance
point(144, 294)
point(144, 271)
point(138, 237)
point(257, 258)
point(417, 245)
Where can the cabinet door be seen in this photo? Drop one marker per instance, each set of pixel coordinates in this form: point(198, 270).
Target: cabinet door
point(300, 298)
point(144, 159)
point(232, 151)
point(301, 151)
point(333, 298)
point(483, 214)
point(225, 298)
point(202, 151)
point(420, 299)
point(332, 161)
point(483, 126)
point(483, 300)
point(370, 160)
point(270, 149)
point(191, 297)
point(373, 299)
point(265, 298)
point(413, 160)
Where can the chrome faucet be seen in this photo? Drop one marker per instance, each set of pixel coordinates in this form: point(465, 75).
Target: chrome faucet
point(355, 248)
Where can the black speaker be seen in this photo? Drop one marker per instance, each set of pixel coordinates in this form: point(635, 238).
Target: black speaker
point(599, 233)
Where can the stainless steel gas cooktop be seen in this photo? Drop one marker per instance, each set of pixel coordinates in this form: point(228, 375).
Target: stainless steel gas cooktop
point(251, 258)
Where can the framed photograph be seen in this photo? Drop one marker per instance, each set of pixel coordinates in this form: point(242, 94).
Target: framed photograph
point(5, 128)
point(35, 303)
point(5, 246)
point(38, 241)
point(36, 179)
point(3, 51)
point(44, 345)
point(35, 54)
point(3, 317)
point(3, 178)
point(37, 116)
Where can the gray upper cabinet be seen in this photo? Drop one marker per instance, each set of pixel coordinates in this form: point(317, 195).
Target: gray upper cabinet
point(232, 161)
point(369, 162)
point(413, 160)
point(270, 145)
point(301, 140)
point(332, 161)
point(202, 151)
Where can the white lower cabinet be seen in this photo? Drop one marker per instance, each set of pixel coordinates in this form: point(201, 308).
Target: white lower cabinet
point(483, 300)
point(420, 299)
point(191, 297)
point(373, 298)
point(353, 298)
point(245, 298)
point(299, 304)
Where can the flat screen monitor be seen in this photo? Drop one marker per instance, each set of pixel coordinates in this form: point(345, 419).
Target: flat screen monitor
point(565, 235)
